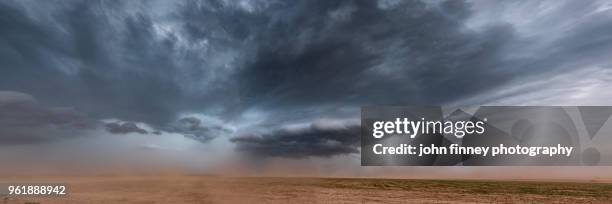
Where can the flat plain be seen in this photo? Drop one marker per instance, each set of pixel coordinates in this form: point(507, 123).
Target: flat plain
point(217, 189)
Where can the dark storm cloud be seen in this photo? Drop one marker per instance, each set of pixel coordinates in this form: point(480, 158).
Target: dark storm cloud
point(265, 64)
point(124, 128)
point(322, 139)
point(23, 120)
point(106, 54)
point(309, 54)
point(354, 52)
point(312, 54)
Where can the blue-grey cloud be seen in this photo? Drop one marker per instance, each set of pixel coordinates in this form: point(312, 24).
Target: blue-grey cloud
point(322, 138)
point(124, 128)
point(197, 129)
point(289, 61)
point(24, 121)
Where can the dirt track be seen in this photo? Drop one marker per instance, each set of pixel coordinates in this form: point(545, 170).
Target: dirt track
point(206, 189)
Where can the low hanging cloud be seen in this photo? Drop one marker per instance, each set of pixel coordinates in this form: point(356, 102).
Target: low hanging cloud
point(24, 121)
point(324, 138)
point(195, 128)
point(124, 128)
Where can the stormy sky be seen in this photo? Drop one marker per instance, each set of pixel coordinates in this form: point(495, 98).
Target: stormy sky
point(283, 78)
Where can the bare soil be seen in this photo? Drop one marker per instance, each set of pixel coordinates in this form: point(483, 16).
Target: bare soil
point(211, 189)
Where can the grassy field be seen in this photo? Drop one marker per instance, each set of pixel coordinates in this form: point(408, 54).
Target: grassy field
point(208, 189)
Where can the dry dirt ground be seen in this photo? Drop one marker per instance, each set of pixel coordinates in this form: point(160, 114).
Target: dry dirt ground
point(210, 189)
